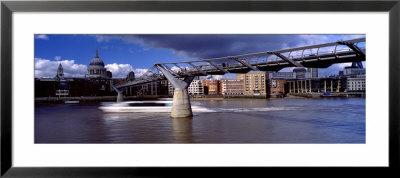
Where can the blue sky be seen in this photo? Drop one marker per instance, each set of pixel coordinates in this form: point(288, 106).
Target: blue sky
point(124, 53)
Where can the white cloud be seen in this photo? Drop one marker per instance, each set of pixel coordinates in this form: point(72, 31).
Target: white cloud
point(175, 69)
point(215, 77)
point(57, 58)
point(48, 69)
point(42, 37)
point(139, 72)
point(122, 70)
point(45, 68)
point(119, 70)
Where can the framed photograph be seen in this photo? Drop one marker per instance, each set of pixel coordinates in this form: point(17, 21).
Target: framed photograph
point(166, 88)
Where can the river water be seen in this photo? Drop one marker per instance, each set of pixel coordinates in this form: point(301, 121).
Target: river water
point(287, 120)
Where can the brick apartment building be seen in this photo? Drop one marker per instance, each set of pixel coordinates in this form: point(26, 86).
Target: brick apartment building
point(231, 87)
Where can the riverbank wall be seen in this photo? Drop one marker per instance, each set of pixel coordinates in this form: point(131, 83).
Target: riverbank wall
point(192, 98)
point(327, 95)
point(92, 99)
point(304, 95)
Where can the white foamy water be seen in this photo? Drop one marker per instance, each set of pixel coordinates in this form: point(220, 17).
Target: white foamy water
point(252, 109)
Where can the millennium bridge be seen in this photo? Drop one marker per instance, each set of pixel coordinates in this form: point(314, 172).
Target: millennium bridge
point(181, 74)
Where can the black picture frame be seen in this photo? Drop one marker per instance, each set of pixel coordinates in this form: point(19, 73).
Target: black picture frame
point(8, 7)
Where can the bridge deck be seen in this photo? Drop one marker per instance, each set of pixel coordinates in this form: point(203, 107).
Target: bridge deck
point(315, 56)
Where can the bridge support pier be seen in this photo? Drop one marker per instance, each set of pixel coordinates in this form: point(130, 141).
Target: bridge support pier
point(120, 97)
point(181, 104)
point(181, 107)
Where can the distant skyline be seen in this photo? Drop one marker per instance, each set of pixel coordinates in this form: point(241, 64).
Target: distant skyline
point(124, 53)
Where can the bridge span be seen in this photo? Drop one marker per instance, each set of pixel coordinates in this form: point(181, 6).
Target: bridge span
point(180, 74)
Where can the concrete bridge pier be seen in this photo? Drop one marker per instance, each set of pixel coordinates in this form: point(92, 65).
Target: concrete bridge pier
point(120, 97)
point(181, 107)
point(181, 104)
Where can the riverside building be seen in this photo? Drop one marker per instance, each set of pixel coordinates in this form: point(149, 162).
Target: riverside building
point(254, 83)
point(232, 87)
point(319, 85)
point(281, 75)
point(356, 83)
point(195, 88)
point(211, 87)
point(277, 87)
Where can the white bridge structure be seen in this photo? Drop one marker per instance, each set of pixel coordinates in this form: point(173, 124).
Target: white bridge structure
point(181, 74)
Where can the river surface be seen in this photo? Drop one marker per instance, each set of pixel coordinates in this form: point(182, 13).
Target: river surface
point(287, 120)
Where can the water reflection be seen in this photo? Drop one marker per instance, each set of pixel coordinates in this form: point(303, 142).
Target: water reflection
point(182, 129)
point(136, 127)
point(110, 118)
